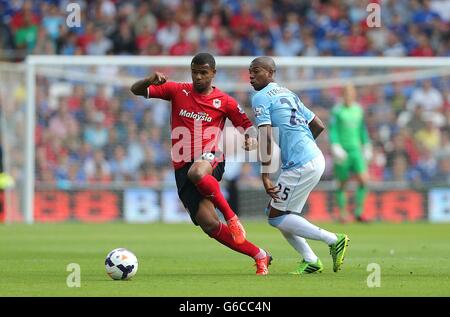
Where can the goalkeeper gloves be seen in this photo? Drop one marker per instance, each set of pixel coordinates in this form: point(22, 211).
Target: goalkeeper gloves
point(338, 153)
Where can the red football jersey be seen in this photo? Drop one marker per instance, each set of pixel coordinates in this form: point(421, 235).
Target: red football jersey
point(197, 120)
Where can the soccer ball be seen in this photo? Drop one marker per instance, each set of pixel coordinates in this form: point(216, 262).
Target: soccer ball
point(121, 264)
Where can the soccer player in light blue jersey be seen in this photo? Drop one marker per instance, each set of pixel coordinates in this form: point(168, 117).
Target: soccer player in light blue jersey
point(276, 107)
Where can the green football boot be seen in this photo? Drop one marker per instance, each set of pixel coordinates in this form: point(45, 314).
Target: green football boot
point(338, 250)
point(308, 268)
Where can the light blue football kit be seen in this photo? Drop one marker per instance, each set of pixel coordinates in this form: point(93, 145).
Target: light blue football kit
point(302, 162)
point(302, 165)
point(281, 108)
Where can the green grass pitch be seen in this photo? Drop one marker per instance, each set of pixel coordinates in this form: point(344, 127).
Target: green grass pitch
point(180, 260)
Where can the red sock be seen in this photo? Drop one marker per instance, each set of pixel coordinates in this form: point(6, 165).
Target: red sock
point(223, 235)
point(209, 187)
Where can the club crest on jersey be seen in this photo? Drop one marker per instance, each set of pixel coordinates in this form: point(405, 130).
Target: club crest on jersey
point(217, 103)
point(258, 111)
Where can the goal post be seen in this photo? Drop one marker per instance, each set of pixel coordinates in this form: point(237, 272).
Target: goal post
point(30, 118)
point(60, 76)
point(12, 137)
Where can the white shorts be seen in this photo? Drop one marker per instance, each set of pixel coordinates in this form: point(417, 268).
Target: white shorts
point(296, 184)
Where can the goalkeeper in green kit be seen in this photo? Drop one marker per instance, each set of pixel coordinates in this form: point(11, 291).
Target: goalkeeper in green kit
point(351, 150)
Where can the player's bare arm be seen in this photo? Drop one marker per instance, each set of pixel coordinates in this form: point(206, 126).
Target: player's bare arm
point(265, 156)
point(316, 126)
point(251, 141)
point(139, 88)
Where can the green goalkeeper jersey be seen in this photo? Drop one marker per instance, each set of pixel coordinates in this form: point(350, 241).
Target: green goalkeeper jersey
point(347, 127)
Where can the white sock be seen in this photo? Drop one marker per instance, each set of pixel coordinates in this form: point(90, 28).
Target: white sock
point(302, 247)
point(301, 227)
point(260, 255)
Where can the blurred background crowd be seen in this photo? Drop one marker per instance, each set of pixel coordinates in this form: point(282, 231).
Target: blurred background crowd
point(104, 135)
point(225, 27)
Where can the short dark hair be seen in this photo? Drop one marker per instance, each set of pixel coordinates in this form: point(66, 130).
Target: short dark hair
point(204, 58)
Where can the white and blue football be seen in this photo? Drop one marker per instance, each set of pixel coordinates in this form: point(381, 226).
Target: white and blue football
point(121, 264)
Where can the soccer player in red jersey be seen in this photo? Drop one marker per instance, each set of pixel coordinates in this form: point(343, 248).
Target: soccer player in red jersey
point(199, 111)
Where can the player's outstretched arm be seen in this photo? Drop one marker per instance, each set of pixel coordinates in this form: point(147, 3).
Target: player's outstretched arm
point(139, 88)
point(316, 126)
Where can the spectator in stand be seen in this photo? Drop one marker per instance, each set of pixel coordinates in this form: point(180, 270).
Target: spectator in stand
point(96, 134)
point(7, 44)
point(113, 141)
point(399, 171)
point(443, 151)
point(423, 48)
point(377, 164)
point(145, 39)
point(62, 123)
point(75, 99)
point(23, 11)
point(27, 33)
point(430, 135)
point(124, 41)
point(68, 173)
point(288, 45)
point(426, 166)
point(310, 48)
point(135, 146)
point(357, 41)
point(424, 15)
point(394, 47)
point(52, 21)
point(413, 119)
point(155, 143)
point(183, 46)
point(122, 168)
point(249, 176)
point(243, 20)
point(398, 99)
point(99, 176)
point(97, 168)
point(426, 96)
point(169, 34)
point(223, 43)
point(442, 175)
point(86, 38)
point(149, 175)
point(201, 32)
point(100, 45)
point(144, 20)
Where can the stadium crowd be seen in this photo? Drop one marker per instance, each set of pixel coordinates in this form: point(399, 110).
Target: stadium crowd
point(115, 137)
point(225, 27)
point(105, 135)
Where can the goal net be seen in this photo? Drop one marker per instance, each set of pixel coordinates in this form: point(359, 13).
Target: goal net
point(97, 153)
